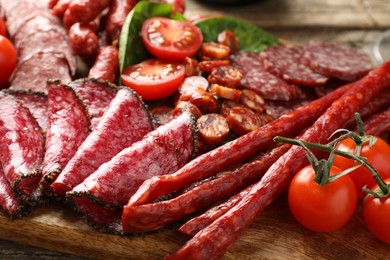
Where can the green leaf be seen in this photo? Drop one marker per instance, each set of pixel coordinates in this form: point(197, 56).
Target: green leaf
point(131, 48)
point(251, 37)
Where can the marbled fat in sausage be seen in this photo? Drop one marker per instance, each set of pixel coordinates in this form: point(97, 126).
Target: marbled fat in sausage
point(21, 147)
point(163, 150)
point(96, 95)
point(69, 125)
point(336, 61)
point(124, 122)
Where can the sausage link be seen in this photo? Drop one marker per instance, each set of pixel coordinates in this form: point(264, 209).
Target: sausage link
point(212, 128)
point(235, 151)
point(277, 178)
point(83, 11)
point(106, 65)
point(60, 7)
point(227, 76)
point(152, 216)
point(378, 124)
point(83, 40)
point(252, 100)
point(116, 17)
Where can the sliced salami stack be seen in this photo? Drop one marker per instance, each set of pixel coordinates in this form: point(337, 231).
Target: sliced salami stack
point(41, 43)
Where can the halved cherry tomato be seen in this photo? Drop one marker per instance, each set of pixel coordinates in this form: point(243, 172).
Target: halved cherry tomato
point(3, 29)
point(376, 215)
point(171, 39)
point(378, 156)
point(7, 59)
point(321, 208)
point(154, 79)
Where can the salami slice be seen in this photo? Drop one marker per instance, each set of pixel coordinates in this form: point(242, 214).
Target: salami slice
point(37, 103)
point(336, 61)
point(69, 125)
point(96, 95)
point(125, 121)
point(21, 147)
point(33, 73)
point(18, 12)
point(285, 61)
point(47, 41)
point(164, 150)
point(8, 201)
point(256, 78)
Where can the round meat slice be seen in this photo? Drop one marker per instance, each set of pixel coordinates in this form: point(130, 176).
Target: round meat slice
point(48, 41)
point(336, 61)
point(286, 62)
point(213, 128)
point(33, 73)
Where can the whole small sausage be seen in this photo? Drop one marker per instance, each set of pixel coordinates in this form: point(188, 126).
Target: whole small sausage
point(60, 8)
point(116, 17)
point(83, 11)
point(83, 40)
point(212, 128)
point(106, 65)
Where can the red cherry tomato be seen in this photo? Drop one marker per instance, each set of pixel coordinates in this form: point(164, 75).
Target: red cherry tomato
point(3, 29)
point(7, 59)
point(170, 39)
point(376, 215)
point(154, 79)
point(378, 156)
point(321, 208)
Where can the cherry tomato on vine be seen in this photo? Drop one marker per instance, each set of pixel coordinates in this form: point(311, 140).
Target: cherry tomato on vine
point(321, 208)
point(7, 59)
point(154, 79)
point(171, 39)
point(377, 214)
point(378, 156)
point(3, 29)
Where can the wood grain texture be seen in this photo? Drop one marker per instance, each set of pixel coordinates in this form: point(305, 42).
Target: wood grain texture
point(53, 232)
point(347, 14)
point(274, 235)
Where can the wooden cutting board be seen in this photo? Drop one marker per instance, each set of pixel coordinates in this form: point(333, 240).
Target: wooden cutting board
point(274, 235)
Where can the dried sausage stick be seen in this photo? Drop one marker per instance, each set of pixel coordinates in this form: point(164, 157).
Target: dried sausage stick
point(116, 17)
point(106, 66)
point(378, 124)
point(83, 40)
point(83, 11)
point(152, 216)
point(235, 151)
point(276, 180)
point(241, 178)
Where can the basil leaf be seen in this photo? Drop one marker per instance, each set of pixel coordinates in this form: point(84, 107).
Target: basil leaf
point(251, 37)
point(131, 47)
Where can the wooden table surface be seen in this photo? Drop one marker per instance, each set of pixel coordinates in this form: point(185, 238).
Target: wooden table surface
point(354, 22)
